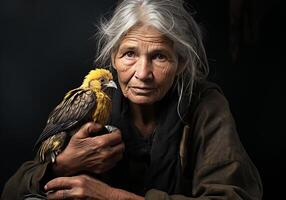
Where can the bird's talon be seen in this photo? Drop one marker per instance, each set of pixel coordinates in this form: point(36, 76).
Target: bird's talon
point(110, 128)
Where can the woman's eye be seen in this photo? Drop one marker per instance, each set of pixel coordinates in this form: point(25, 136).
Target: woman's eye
point(130, 54)
point(159, 56)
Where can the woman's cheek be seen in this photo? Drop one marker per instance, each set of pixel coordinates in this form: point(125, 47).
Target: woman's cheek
point(124, 90)
point(125, 75)
point(128, 62)
point(124, 79)
point(164, 75)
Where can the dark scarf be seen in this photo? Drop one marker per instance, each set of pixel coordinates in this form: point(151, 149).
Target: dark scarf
point(164, 170)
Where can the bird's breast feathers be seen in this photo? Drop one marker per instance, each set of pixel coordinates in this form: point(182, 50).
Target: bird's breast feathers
point(103, 108)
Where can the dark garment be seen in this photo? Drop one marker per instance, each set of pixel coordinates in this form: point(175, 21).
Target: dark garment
point(218, 166)
point(157, 158)
point(203, 159)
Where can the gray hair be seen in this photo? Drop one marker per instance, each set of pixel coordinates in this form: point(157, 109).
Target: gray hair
point(171, 19)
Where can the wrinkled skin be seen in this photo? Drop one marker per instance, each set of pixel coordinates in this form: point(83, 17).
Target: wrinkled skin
point(146, 64)
point(92, 154)
point(85, 187)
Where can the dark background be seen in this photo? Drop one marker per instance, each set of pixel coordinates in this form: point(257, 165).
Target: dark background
point(47, 46)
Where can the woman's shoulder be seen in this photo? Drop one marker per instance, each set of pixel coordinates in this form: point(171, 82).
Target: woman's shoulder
point(208, 92)
point(206, 89)
point(208, 98)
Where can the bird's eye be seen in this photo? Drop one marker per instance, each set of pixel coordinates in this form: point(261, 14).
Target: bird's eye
point(101, 80)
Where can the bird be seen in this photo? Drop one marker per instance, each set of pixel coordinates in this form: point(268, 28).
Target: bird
point(91, 102)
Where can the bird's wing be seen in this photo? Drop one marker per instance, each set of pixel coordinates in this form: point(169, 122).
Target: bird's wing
point(74, 110)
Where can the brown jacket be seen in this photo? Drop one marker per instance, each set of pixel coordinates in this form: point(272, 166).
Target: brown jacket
point(215, 163)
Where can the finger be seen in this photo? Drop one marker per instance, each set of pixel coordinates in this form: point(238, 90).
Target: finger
point(108, 164)
point(118, 149)
point(87, 129)
point(114, 153)
point(59, 194)
point(109, 139)
point(59, 183)
point(117, 155)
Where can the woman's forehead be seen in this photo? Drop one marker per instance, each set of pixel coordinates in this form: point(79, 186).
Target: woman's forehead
point(146, 34)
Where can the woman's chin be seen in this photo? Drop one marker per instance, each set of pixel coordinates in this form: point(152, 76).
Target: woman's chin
point(142, 100)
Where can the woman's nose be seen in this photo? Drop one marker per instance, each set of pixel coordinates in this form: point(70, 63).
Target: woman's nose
point(144, 69)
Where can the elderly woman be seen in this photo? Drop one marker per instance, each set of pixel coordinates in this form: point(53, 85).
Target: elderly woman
point(176, 138)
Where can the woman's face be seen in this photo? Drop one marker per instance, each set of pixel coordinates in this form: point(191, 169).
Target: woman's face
point(146, 64)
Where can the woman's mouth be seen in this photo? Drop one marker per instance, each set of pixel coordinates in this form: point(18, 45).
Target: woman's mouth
point(141, 90)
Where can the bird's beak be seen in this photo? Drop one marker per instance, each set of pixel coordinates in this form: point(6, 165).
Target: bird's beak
point(111, 84)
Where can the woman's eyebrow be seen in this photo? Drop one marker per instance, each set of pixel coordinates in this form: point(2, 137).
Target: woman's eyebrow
point(124, 48)
point(161, 49)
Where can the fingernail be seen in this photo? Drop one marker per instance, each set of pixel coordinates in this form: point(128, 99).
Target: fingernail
point(97, 125)
point(46, 187)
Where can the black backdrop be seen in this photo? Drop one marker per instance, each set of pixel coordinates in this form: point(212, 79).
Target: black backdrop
point(46, 47)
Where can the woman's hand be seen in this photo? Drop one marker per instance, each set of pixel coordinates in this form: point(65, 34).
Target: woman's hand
point(92, 154)
point(77, 187)
point(85, 187)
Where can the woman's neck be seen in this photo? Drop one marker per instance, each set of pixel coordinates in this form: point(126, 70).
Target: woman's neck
point(144, 118)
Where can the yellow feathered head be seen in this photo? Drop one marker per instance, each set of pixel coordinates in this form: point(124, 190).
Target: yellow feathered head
point(99, 79)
